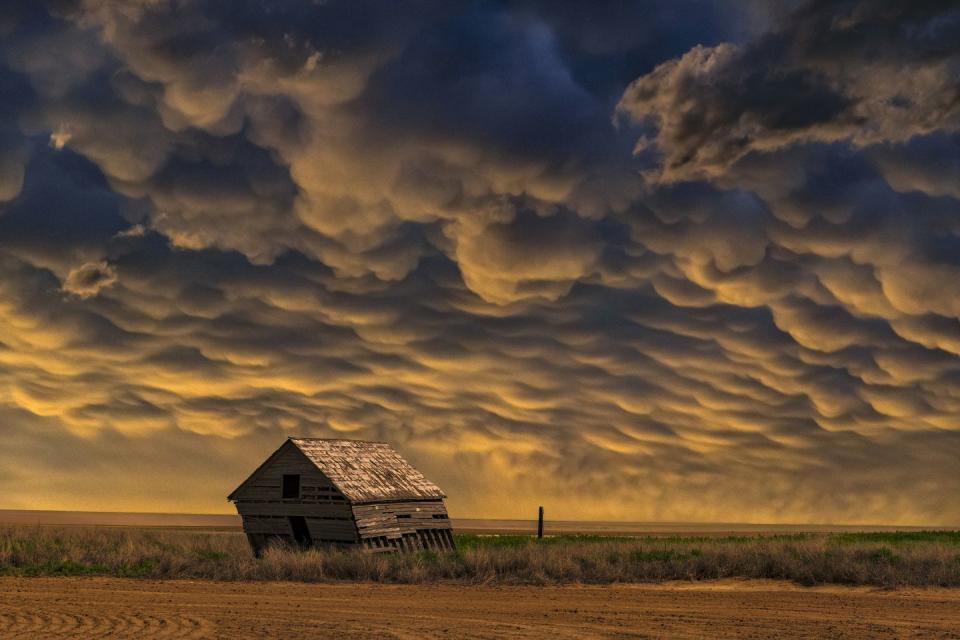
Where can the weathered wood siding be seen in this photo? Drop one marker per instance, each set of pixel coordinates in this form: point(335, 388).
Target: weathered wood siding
point(327, 512)
point(406, 526)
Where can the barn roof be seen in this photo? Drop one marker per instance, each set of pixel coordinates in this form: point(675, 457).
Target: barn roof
point(367, 471)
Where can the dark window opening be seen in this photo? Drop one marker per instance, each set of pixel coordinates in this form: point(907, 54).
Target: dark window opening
point(291, 486)
point(403, 515)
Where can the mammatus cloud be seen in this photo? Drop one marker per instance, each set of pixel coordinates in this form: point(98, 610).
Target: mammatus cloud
point(88, 279)
point(861, 73)
point(419, 225)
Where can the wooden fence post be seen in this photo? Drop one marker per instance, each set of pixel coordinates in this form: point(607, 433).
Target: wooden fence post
point(540, 524)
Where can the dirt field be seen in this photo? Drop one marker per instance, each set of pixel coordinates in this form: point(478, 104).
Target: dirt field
point(106, 607)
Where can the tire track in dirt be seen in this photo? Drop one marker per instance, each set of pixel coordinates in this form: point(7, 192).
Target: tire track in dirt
point(128, 608)
point(48, 624)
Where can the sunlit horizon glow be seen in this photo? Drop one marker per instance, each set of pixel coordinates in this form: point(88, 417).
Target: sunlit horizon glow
point(665, 261)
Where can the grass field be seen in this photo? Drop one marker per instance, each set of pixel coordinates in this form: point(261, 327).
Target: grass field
point(888, 559)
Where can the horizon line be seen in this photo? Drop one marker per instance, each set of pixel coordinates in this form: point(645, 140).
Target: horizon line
point(704, 523)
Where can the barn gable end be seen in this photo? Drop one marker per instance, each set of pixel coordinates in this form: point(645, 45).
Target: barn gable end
point(267, 515)
point(265, 482)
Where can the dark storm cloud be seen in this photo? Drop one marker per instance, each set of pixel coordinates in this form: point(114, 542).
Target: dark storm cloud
point(861, 72)
point(420, 222)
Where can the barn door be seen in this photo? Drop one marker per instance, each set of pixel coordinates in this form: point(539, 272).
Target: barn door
point(301, 532)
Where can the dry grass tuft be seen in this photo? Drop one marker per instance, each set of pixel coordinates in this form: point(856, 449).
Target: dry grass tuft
point(887, 560)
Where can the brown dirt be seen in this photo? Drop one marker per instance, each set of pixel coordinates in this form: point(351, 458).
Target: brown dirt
point(118, 608)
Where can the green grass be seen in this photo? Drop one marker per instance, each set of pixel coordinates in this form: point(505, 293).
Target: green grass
point(210, 555)
point(897, 537)
point(139, 569)
point(473, 541)
point(881, 559)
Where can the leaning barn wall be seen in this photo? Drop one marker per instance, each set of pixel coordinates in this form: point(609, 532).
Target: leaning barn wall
point(327, 512)
point(406, 526)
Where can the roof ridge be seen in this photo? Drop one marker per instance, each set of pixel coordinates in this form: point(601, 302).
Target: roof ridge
point(339, 440)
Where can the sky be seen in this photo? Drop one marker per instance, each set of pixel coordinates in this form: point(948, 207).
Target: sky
point(683, 260)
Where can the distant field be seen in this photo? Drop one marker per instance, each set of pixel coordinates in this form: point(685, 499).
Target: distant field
point(888, 559)
point(222, 522)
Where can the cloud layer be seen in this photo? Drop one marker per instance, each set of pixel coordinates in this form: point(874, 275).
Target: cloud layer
point(435, 225)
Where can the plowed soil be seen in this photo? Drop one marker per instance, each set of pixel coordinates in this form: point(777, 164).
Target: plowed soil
point(126, 608)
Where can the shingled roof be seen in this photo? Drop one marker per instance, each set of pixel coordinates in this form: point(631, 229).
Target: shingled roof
point(367, 471)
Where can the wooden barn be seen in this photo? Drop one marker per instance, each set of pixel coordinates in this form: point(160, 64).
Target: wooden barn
point(345, 493)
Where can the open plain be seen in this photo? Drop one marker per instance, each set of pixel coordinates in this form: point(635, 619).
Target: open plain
point(131, 608)
point(169, 582)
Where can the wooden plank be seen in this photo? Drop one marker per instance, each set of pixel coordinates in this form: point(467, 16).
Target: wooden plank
point(399, 518)
point(339, 530)
point(294, 509)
